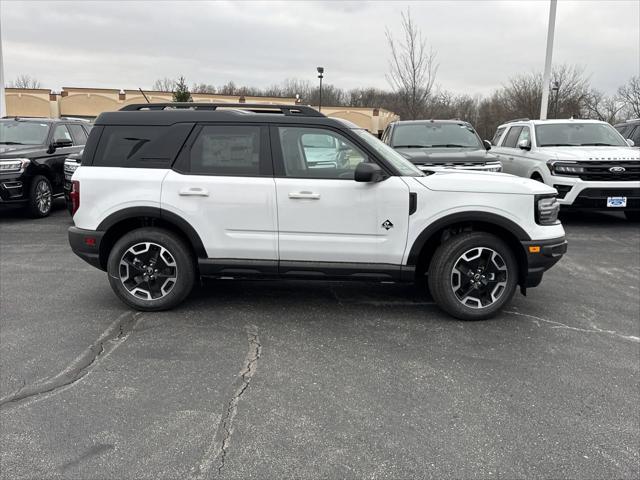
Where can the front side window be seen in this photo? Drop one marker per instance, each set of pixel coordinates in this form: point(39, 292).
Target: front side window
point(226, 150)
point(13, 132)
point(318, 153)
point(511, 140)
point(496, 137)
point(578, 135)
point(62, 133)
point(78, 133)
point(435, 135)
point(525, 134)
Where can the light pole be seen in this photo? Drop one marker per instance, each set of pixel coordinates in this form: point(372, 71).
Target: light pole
point(556, 90)
point(544, 105)
point(320, 76)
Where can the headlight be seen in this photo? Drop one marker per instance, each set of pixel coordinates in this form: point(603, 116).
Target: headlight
point(547, 208)
point(494, 168)
point(70, 166)
point(567, 168)
point(13, 165)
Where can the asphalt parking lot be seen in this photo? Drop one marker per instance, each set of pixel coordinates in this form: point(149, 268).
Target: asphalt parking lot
point(256, 379)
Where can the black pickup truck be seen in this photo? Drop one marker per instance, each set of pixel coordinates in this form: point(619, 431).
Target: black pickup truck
point(32, 155)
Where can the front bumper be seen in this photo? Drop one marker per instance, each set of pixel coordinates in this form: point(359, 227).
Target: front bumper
point(578, 193)
point(86, 245)
point(541, 256)
point(14, 188)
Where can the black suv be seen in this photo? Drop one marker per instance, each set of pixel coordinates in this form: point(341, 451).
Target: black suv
point(32, 153)
point(441, 143)
point(630, 130)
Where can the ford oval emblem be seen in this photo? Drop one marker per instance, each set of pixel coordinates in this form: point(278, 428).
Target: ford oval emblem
point(617, 169)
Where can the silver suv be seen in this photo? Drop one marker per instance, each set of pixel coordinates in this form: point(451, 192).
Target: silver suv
point(587, 161)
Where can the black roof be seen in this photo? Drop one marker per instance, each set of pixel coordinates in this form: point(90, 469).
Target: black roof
point(170, 113)
point(633, 121)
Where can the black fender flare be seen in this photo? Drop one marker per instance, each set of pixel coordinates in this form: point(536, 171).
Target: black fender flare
point(156, 212)
point(462, 217)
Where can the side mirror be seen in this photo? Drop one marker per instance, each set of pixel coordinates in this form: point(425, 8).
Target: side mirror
point(631, 143)
point(524, 144)
point(368, 172)
point(487, 144)
point(62, 142)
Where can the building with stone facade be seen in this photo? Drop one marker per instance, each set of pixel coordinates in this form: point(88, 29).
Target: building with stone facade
point(90, 102)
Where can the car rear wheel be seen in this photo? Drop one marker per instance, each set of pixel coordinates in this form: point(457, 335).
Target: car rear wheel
point(473, 275)
point(151, 269)
point(40, 197)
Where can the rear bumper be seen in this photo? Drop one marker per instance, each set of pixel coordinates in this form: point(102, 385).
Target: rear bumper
point(541, 256)
point(86, 245)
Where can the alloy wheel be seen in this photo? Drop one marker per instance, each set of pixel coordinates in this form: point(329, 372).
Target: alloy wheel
point(43, 196)
point(148, 271)
point(479, 277)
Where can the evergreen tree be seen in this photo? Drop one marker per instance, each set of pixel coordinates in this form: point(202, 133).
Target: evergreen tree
point(181, 92)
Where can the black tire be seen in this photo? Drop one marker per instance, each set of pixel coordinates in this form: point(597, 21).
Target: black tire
point(129, 273)
point(443, 274)
point(40, 197)
point(632, 216)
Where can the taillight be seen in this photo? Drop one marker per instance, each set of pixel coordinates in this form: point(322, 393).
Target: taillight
point(75, 196)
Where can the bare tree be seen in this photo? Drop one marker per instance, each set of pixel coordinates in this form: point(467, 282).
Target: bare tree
point(203, 88)
point(164, 85)
point(412, 68)
point(597, 105)
point(25, 81)
point(630, 95)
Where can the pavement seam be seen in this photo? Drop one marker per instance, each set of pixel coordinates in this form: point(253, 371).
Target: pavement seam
point(563, 326)
point(222, 437)
point(82, 365)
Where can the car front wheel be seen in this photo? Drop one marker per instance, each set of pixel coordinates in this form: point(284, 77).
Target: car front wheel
point(40, 197)
point(473, 275)
point(151, 269)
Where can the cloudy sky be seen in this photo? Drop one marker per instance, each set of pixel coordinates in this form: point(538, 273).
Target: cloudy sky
point(479, 43)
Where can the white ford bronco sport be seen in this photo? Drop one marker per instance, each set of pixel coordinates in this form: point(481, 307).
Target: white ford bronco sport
point(167, 193)
point(587, 161)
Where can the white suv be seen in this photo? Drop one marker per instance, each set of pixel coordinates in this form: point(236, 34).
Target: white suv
point(587, 161)
point(167, 193)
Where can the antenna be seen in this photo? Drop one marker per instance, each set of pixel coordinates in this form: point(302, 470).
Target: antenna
point(145, 97)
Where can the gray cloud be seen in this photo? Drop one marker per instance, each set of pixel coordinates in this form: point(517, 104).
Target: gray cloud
point(479, 44)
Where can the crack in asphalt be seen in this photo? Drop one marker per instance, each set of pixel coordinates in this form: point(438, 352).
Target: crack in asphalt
point(563, 326)
point(222, 438)
point(80, 366)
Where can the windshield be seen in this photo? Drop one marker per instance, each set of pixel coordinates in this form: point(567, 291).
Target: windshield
point(578, 135)
point(434, 135)
point(14, 132)
point(404, 166)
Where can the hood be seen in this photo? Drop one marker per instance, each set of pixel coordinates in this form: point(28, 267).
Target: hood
point(447, 156)
point(13, 151)
point(596, 154)
point(482, 182)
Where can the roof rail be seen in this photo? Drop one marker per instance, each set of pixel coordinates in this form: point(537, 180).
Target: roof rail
point(517, 120)
point(76, 119)
point(288, 110)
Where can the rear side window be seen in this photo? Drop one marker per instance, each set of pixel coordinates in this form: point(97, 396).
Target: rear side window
point(512, 137)
point(123, 146)
point(78, 133)
point(227, 150)
point(496, 137)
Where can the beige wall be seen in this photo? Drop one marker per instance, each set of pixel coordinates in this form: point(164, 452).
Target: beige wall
point(90, 102)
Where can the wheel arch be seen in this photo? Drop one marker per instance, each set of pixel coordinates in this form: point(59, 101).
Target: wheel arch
point(425, 245)
point(119, 223)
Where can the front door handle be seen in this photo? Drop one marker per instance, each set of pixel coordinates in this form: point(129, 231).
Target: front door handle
point(194, 192)
point(304, 195)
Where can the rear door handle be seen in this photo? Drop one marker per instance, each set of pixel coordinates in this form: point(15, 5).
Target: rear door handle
point(194, 192)
point(303, 195)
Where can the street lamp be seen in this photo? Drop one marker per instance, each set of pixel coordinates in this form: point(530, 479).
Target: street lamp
point(555, 87)
point(320, 76)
